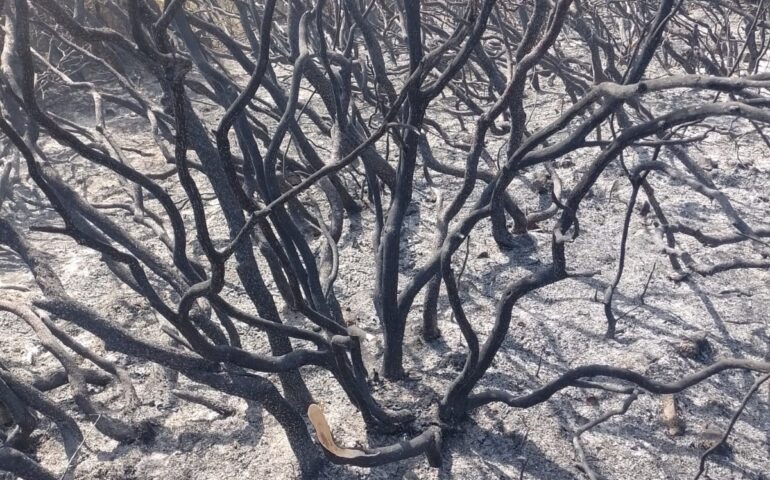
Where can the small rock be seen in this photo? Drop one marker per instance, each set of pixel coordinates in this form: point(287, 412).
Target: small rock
point(697, 347)
point(483, 254)
point(707, 164)
point(710, 437)
point(542, 182)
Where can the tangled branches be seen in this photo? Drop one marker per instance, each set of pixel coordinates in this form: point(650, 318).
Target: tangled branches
point(269, 130)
